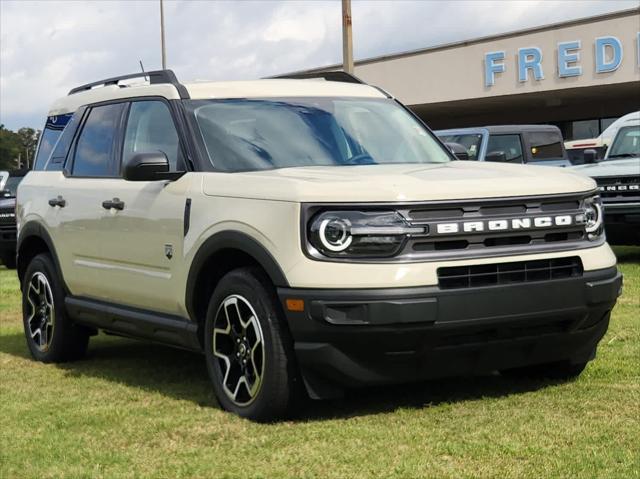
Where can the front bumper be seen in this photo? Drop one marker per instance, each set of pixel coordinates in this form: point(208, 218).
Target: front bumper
point(349, 338)
point(622, 223)
point(8, 235)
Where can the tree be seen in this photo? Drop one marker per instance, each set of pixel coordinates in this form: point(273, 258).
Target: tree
point(28, 138)
point(17, 150)
point(9, 149)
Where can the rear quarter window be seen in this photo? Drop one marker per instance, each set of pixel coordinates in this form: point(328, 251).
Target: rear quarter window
point(53, 128)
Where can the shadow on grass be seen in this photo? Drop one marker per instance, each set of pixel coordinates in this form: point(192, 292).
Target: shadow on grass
point(182, 375)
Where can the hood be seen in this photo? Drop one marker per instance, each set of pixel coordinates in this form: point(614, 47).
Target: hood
point(377, 183)
point(607, 168)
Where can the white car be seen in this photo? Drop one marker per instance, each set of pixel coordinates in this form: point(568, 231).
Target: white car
point(309, 235)
point(576, 148)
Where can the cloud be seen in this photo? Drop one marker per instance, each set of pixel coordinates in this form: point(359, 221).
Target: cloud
point(48, 47)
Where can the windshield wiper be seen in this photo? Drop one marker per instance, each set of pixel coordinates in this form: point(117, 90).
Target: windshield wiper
point(624, 155)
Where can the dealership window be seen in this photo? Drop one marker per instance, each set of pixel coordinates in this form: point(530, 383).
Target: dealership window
point(583, 129)
point(606, 123)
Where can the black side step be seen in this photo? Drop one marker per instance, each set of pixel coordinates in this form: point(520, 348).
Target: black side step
point(135, 323)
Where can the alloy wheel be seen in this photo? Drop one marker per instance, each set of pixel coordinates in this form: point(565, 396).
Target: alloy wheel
point(238, 345)
point(41, 315)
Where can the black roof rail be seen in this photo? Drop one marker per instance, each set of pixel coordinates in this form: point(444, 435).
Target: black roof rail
point(338, 75)
point(156, 77)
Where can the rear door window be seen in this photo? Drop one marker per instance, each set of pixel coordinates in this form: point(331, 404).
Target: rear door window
point(95, 151)
point(510, 145)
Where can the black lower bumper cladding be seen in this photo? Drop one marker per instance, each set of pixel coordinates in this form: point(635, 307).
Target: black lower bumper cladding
point(350, 338)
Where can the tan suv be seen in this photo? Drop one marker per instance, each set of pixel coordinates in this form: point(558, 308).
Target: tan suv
point(305, 234)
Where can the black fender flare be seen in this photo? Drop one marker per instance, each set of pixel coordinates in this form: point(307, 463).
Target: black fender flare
point(231, 240)
point(36, 229)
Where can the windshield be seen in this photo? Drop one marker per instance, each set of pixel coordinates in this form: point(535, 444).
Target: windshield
point(470, 141)
point(246, 135)
point(626, 143)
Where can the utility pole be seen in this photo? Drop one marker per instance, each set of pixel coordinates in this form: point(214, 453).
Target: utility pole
point(164, 53)
point(347, 40)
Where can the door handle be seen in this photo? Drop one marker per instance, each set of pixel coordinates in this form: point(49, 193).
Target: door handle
point(59, 201)
point(115, 203)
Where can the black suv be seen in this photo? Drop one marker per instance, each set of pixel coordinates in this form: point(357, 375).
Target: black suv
point(8, 187)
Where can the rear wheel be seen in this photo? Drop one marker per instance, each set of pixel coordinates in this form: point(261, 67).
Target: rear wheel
point(563, 370)
point(50, 333)
point(248, 349)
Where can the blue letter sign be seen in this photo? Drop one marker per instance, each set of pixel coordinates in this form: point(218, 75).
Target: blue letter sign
point(604, 64)
point(568, 56)
point(529, 59)
point(491, 67)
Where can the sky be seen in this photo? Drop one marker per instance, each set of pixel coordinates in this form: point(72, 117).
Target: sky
point(47, 47)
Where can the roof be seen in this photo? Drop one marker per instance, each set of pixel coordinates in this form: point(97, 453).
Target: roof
point(499, 129)
point(268, 88)
point(272, 88)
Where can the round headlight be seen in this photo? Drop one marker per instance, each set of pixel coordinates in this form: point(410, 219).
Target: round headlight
point(593, 216)
point(335, 234)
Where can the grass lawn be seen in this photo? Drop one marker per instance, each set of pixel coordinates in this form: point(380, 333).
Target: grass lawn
point(134, 409)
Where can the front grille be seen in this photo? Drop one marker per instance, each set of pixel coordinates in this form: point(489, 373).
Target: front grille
point(7, 217)
point(625, 188)
point(509, 273)
point(491, 241)
point(477, 228)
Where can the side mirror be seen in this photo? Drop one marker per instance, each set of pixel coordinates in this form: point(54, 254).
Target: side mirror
point(458, 150)
point(149, 167)
point(590, 156)
point(500, 156)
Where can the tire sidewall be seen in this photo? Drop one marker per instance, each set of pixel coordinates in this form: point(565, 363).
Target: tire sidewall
point(242, 283)
point(43, 264)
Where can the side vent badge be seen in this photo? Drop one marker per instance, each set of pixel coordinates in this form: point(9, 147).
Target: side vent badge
point(168, 251)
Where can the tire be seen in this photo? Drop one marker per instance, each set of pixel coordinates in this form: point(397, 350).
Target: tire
point(563, 370)
point(248, 344)
point(43, 305)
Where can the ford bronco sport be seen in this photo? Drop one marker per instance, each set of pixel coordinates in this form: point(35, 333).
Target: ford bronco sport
point(305, 235)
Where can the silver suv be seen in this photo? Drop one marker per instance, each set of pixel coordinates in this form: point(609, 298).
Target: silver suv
point(306, 235)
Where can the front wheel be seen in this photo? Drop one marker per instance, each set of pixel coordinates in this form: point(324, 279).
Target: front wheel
point(248, 348)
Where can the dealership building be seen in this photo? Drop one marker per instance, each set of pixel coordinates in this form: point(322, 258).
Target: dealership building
point(579, 75)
